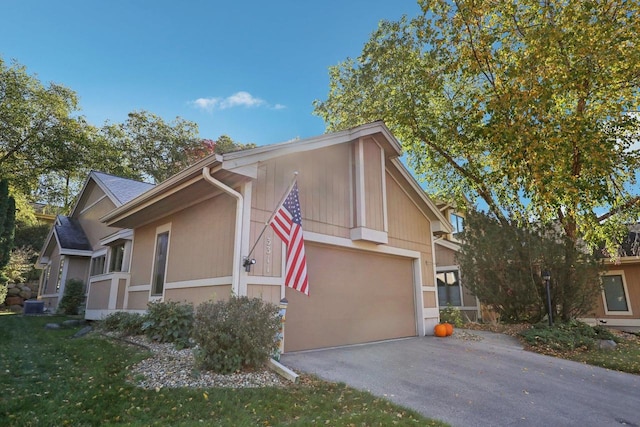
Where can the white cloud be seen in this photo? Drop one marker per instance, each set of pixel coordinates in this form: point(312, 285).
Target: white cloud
point(238, 99)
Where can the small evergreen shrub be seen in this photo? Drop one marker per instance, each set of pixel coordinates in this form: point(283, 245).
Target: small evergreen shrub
point(169, 321)
point(72, 298)
point(123, 322)
point(452, 315)
point(568, 336)
point(236, 334)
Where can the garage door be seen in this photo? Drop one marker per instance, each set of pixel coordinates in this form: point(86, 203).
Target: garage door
point(354, 297)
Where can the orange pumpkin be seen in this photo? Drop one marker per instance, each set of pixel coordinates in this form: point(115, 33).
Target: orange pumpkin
point(440, 330)
point(449, 327)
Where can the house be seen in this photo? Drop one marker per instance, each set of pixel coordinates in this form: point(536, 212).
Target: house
point(451, 289)
point(74, 248)
point(619, 303)
point(369, 233)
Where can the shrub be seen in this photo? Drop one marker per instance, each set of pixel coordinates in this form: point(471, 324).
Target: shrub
point(123, 322)
point(72, 298)
point(235, 334)
point(169, 321)
point(568, 336)
point(452, 315)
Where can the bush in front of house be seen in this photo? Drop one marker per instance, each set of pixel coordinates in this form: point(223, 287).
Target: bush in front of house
point(169, 321)
point(236, 334)
point(72, 297)
point(452, 315)
point(568, 336)
point(124, 323)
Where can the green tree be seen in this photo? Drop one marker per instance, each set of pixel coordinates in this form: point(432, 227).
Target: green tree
point(7, 227)
point(150, 147)
point(502, 265)
point(521, 105)
point(39, 127)
point(225, 144)
point(525, 106)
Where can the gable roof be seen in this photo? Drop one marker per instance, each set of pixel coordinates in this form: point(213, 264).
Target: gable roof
point(240, 165)
point(119, 190)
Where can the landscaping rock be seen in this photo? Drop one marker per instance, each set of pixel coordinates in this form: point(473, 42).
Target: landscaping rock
point(13, 300)
point(12, 290)
point(71, 323)
point(607, 344)
point(25, 293)
point(82, 332)
point(52, 326)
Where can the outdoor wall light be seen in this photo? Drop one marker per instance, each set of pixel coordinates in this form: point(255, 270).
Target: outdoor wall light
point(546, 277)
point(247, 263)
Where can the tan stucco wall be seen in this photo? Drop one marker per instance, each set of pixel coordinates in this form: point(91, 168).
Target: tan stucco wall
point(138, 300)
point(90, 220)
point(122, 287)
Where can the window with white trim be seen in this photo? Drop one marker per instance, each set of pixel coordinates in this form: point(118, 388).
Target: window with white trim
point(60, 272)
point(449, 292)
point(98, 264)
point(116, 259)
point(160, 263)
point(615, 294)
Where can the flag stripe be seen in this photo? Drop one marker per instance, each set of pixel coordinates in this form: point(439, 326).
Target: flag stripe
point(287, 224)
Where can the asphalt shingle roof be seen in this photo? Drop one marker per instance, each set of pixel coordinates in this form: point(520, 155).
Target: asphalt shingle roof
point(71, 235)
point(123, 189)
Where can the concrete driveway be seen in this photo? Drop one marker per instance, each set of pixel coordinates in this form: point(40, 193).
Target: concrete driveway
point(489, 382)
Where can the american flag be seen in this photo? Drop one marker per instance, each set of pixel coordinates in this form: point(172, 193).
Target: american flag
point(287, 223)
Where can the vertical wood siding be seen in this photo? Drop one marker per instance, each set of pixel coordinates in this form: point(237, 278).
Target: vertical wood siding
point(373, 176)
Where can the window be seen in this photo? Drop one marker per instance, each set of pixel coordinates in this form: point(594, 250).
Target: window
point(97, 265)
point(457, 222)
point(615, 294)
point(449, 288)
point(60, 272)
point(117, 257)
point(160, 263)
point(45, 279)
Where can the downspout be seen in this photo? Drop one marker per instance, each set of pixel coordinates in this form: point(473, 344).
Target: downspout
point(235, 275)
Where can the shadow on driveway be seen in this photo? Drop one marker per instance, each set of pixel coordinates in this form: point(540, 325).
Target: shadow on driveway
point(488, 382)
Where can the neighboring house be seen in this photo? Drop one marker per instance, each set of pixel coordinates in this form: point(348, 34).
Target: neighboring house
point(77, 246)
point(368, 227)
point(619, 304)
point(451, 289)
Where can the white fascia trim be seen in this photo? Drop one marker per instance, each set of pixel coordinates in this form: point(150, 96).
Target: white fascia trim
point(100, 314)
point(430, 288)
point(266, 152)
point(139, 288)
point(264, 280)
point(365, 246)
point(75, 252)
point(447, 268)
point(447, 244)
point(124, 234)
point(623, 260)
point(86, 208)
point(50, 295)
point(199, 283)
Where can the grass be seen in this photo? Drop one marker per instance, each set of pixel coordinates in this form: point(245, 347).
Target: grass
point(625, 357)
point(48, 378)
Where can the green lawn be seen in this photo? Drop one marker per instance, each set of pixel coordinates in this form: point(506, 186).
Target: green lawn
point(49, 379)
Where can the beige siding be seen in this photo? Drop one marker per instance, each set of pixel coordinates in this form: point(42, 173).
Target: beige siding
point(374, 211)
point(78, 268)
point(198, 295)
point(409, 228)
point(429, 298)
point(445, 256)
point(91, 195)
point(54, 270)
point(122, 288)
point(200, 243)
point(99, 295)
point(269, 293)
point(363, 297)
point(138, 300)
point(90, 221)
point(632, 278)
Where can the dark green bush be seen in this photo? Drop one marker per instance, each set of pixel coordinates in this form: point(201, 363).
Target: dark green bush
point(236, 334)
point(123, 322)
point(169, 321)
point(565, 336)
point(72, 298)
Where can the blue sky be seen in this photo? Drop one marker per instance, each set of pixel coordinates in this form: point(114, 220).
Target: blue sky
point(248, 69)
